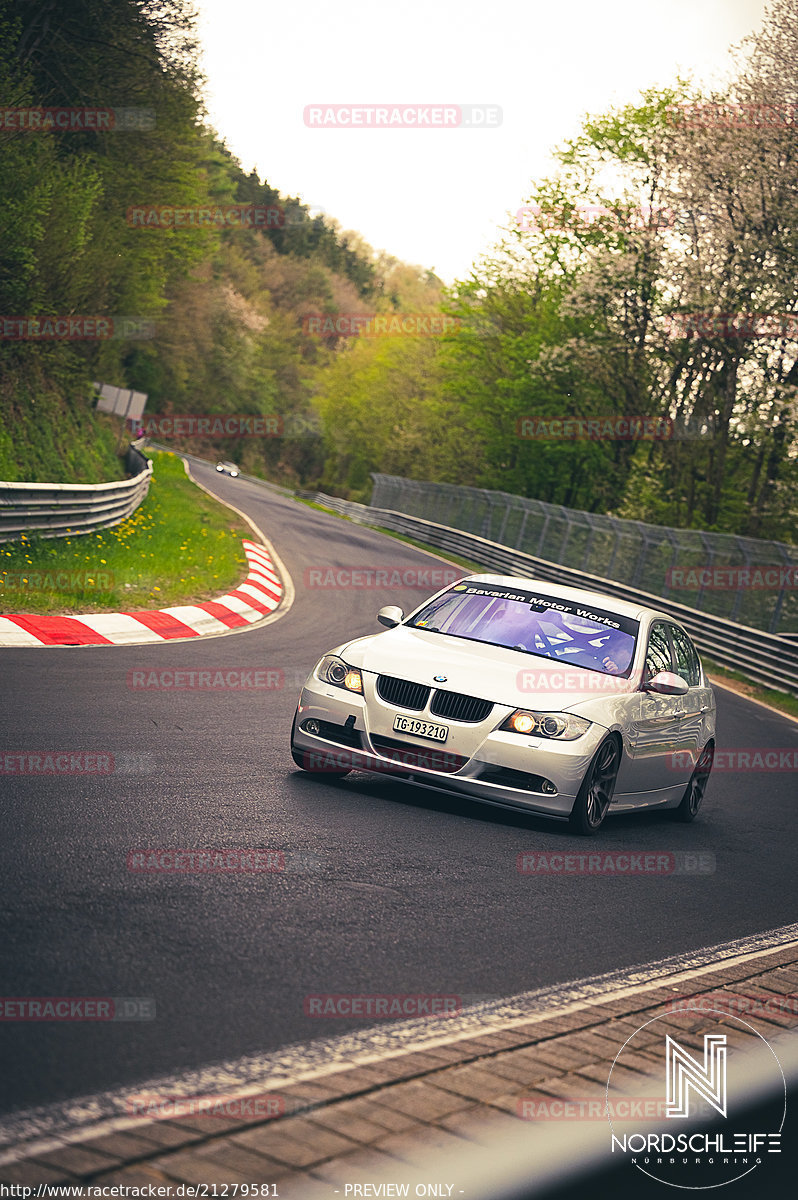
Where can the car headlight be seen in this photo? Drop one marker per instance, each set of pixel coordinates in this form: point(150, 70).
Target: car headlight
point(565, 727)
point(334, 670)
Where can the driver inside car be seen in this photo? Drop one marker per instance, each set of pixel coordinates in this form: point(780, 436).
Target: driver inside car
point(516, 625)
point(615, 652)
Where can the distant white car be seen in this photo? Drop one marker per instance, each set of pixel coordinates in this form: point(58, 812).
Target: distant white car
point(522, 694)
point(228, 468)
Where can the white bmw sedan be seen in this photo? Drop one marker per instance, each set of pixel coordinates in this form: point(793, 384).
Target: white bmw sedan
point(522, 694)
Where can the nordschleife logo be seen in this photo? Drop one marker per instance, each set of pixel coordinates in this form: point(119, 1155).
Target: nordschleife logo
point(706, 1130)
point(707, 1080)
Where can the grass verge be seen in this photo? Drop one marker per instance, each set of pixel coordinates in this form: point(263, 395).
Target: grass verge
point(401, 537)
point(180, 546)
point(736, 682)
point(469, 564)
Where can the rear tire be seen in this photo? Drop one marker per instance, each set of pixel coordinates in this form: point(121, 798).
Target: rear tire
point(697, 786)
point(595, 795)
point(303, 759)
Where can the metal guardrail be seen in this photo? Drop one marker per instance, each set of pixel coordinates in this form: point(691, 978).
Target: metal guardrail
point(57, 509)
point(701, 569)
point(765, 658)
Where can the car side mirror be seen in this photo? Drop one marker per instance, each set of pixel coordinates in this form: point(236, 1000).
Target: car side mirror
point(391, 615)
point(665, 683)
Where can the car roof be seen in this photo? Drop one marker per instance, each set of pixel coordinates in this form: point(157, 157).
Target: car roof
point(624, 608)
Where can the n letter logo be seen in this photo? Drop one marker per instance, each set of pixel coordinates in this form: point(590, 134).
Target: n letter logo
point(684, 1072)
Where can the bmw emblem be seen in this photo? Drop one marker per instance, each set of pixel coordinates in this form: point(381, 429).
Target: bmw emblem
point(439, 678)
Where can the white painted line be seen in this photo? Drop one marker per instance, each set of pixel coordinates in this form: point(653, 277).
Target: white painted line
point(260, 596)
point(12, 635)
point(197, 618)
point(119, 628)
point(267, 577)
point(244, 610)
point(258, 553)
point(260, 571)
point(85, 1117)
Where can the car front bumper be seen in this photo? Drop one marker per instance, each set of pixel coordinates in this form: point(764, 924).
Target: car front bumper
point(536, 775)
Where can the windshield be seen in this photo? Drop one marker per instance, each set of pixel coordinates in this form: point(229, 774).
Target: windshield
point(545, 626)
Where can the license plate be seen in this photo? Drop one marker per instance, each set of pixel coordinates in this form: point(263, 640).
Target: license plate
point(424, 729)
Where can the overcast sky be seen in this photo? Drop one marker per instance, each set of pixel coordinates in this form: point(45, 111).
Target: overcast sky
point(437, 196)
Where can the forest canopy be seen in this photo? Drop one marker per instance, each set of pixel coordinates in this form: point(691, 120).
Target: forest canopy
point(652, 275)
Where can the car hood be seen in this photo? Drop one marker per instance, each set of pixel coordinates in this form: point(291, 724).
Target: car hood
point(491, 672)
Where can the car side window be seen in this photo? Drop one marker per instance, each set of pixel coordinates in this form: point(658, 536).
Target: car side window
point(686, 657)
point(658, 654)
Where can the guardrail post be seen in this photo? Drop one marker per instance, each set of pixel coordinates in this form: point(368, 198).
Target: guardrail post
point(543, 532)
point(507, 511)
point(520, 538)
point(775, 616)
point(666, 587)
point(699, 600)
point(569, 524)
point(464, 512)
point(738, 599)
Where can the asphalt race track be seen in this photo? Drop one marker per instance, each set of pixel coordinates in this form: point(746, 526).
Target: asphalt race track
point(387, 888)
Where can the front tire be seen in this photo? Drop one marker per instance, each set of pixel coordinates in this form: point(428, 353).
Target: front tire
point(304, 759)
point(598, 786)
point(694, 792)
